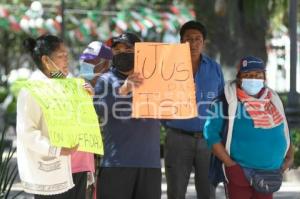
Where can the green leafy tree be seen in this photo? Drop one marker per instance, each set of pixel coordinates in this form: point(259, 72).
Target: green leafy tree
point(239, 27)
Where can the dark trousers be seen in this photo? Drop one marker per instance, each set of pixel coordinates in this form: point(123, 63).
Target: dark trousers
point(184, 152)
point(239, 187)
point(77, 192)
point(129, 183)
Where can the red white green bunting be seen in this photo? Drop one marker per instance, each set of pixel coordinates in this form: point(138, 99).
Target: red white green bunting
point(34, 21)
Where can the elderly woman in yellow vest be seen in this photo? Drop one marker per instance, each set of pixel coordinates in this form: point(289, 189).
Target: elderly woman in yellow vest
point(253, 142)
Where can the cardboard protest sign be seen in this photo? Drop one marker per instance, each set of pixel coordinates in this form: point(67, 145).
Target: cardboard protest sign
point(69, 113)
point(168, 89)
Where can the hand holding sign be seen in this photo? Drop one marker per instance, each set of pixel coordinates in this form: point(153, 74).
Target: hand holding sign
point(133, 80)
point(68, 151)
point(89, 89)
point(168, 90)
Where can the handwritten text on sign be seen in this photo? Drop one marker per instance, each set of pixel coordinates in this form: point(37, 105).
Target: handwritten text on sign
point(69, 113)
point(168, 89)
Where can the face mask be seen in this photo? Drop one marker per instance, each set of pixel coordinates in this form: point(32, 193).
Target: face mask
point(252, 86)
point(56, 74)
point(87, 70)
point(123, 62)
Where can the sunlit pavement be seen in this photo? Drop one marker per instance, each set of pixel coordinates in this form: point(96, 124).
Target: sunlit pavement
point(289, 190)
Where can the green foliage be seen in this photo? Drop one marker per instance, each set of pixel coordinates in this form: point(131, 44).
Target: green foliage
point(163, 135)
point(8, 173)
point(87, 4)
point(84, 21)
point(240, 27)
point(284, 98)
point(3, 93)
point(11, 114)
point(296, 142)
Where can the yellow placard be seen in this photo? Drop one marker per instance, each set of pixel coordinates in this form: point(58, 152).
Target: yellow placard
point(69, 113)
point(168, 89)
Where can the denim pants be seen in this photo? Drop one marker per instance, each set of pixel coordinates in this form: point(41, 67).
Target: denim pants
point(184, 152)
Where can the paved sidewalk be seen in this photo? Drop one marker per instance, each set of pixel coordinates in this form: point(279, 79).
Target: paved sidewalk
point(289, 190)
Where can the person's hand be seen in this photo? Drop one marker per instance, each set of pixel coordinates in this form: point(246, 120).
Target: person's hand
point(230, 163)
point(133, 81)
point(219, 150)
point(88, 89)
point(68, 151)
point(288, 162)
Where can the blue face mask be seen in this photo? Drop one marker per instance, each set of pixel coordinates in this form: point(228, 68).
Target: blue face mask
point(87, 70)
point(252, 86)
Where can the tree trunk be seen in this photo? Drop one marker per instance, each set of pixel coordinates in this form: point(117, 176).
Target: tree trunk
point(233, 34)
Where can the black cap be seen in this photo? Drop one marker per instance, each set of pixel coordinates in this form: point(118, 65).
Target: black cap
point(126, 38)
point(193, 25)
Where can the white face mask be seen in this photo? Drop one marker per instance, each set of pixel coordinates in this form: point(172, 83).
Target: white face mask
point(252, 86)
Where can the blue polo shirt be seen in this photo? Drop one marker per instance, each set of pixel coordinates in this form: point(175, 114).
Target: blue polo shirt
point(128, 142)
point(209, 82)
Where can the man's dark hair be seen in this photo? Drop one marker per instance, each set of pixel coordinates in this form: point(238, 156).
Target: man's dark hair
point(43, 45)
point(193, 25)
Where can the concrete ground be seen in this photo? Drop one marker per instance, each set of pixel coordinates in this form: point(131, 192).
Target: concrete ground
point(289, 190)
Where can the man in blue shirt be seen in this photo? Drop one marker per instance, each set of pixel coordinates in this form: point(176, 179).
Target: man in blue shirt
point(185, 147)
point(130, 167)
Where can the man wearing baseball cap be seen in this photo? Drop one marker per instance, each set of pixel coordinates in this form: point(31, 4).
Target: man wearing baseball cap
point(94, 61)
point(130, 167)
point(254, 140)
